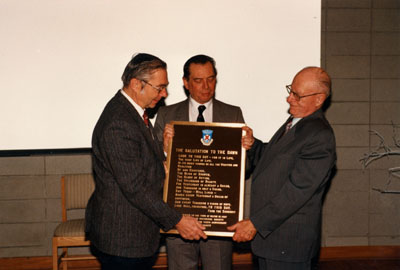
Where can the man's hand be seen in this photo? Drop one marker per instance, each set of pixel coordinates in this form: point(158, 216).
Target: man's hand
point(244, 231)
point(247, 139)
point(167, 136)
point(189, 228)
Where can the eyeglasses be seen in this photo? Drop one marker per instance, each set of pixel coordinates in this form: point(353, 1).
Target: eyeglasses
point(157, 88)
point(297, 96)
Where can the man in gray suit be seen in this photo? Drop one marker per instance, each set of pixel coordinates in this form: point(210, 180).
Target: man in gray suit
point(126, 211)
point(290, 177)
point(199, 78)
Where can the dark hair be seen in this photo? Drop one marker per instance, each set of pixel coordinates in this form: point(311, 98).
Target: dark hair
point(141, 67)
point(198, 59)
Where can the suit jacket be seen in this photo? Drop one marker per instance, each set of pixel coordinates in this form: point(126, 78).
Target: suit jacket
point(289, 181)
point(126, 210)
point(222, 112)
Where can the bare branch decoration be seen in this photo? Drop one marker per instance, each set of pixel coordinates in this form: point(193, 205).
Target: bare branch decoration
point(383, 150)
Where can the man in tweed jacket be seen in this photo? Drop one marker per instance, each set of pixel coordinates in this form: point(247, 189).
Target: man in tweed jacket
point(126, 211)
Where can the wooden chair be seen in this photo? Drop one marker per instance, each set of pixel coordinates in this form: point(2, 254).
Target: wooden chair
point(76, 190)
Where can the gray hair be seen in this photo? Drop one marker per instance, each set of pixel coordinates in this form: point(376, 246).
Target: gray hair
point(141, 67)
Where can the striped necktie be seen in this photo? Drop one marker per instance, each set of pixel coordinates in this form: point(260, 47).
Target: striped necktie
point(146, 119)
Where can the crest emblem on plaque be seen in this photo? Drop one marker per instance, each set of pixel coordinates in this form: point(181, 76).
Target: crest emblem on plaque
point(207, 137)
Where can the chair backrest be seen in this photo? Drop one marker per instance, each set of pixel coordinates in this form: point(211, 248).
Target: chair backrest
point(76, 190)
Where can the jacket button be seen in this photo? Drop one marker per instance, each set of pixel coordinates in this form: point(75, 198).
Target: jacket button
point(283, 252)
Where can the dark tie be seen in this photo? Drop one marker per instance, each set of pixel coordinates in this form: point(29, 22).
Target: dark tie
point(200, 118)
point(146, 119)
point(288, 125)
point(287, 128)
point(148, 124)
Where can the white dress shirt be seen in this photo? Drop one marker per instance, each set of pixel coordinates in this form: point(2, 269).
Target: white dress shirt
point(194, 111)
point(139, 109)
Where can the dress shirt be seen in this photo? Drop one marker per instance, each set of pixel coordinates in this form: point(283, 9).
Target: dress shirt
point(294, 121)
point(134, 104)
point(194, 111)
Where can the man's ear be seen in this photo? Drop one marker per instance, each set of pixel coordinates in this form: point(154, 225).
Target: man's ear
point(135, 85)
point(185, 82)
point(320, 100)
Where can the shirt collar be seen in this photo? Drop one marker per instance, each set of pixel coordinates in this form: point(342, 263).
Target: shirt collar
point(139, 109)
point(295, 120)
point(195, 104)
point(194, 112)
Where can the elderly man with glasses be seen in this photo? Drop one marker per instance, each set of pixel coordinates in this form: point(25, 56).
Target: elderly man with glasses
point(126, 211)
point(290, 178)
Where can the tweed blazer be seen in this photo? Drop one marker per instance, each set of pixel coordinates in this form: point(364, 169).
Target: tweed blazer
point(290, 177)
point(222, 112)
point(126, 210)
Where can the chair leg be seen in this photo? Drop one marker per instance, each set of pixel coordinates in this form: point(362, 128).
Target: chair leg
point(55, 254)
point(65, 263)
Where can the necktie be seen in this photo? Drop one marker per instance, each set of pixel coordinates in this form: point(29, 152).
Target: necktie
point(287, 128)
point(147, 123)
point(146, 119)
point(288, 125)
point(201, 109)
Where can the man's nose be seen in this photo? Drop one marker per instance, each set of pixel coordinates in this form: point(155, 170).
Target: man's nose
point(164, 93)
point(206, 85)
point(290, 98)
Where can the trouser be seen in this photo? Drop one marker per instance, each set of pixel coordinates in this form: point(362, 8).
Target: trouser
point(111, 262)
point(215, 253)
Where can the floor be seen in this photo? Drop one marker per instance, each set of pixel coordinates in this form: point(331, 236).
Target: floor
point(360, 265)
point(346, 265)
point(325, 265)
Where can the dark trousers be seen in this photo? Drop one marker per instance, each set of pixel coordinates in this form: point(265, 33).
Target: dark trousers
point(110, 262)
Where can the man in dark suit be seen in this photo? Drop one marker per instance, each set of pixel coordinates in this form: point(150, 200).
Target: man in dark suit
point(199, 78)
point(126, 211)
point(290, 177)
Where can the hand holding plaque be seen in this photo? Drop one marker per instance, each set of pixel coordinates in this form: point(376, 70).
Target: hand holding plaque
point(189, 228)
point(168, 134)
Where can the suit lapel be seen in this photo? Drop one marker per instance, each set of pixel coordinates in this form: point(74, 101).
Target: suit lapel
point(139, 123)
point(149, 137)
point(182, 114)
point(152, 141)
point(275, 146)
point(277, 143)
point(217, 113)
point(220, 114)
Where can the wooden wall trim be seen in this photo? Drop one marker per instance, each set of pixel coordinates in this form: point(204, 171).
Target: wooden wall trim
point(327, 254)
point(360, 252)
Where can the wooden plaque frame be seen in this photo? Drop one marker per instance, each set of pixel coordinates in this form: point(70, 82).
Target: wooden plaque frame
point(206, 174)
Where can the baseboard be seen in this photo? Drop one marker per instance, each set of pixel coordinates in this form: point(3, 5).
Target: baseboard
point(327, 254)
point(360, 252)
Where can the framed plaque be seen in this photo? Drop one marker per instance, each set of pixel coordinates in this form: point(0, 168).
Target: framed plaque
point(206, 171)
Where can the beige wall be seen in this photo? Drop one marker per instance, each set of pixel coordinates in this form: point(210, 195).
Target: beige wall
point(30, 207)
point(361, 50)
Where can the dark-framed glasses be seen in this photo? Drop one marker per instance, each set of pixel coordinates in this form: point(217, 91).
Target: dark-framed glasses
point(157, 88)
point(297, 96)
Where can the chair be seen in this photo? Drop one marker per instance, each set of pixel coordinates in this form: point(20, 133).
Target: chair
point(76, 190)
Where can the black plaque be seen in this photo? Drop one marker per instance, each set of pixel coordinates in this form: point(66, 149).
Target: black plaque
point(205, 179)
